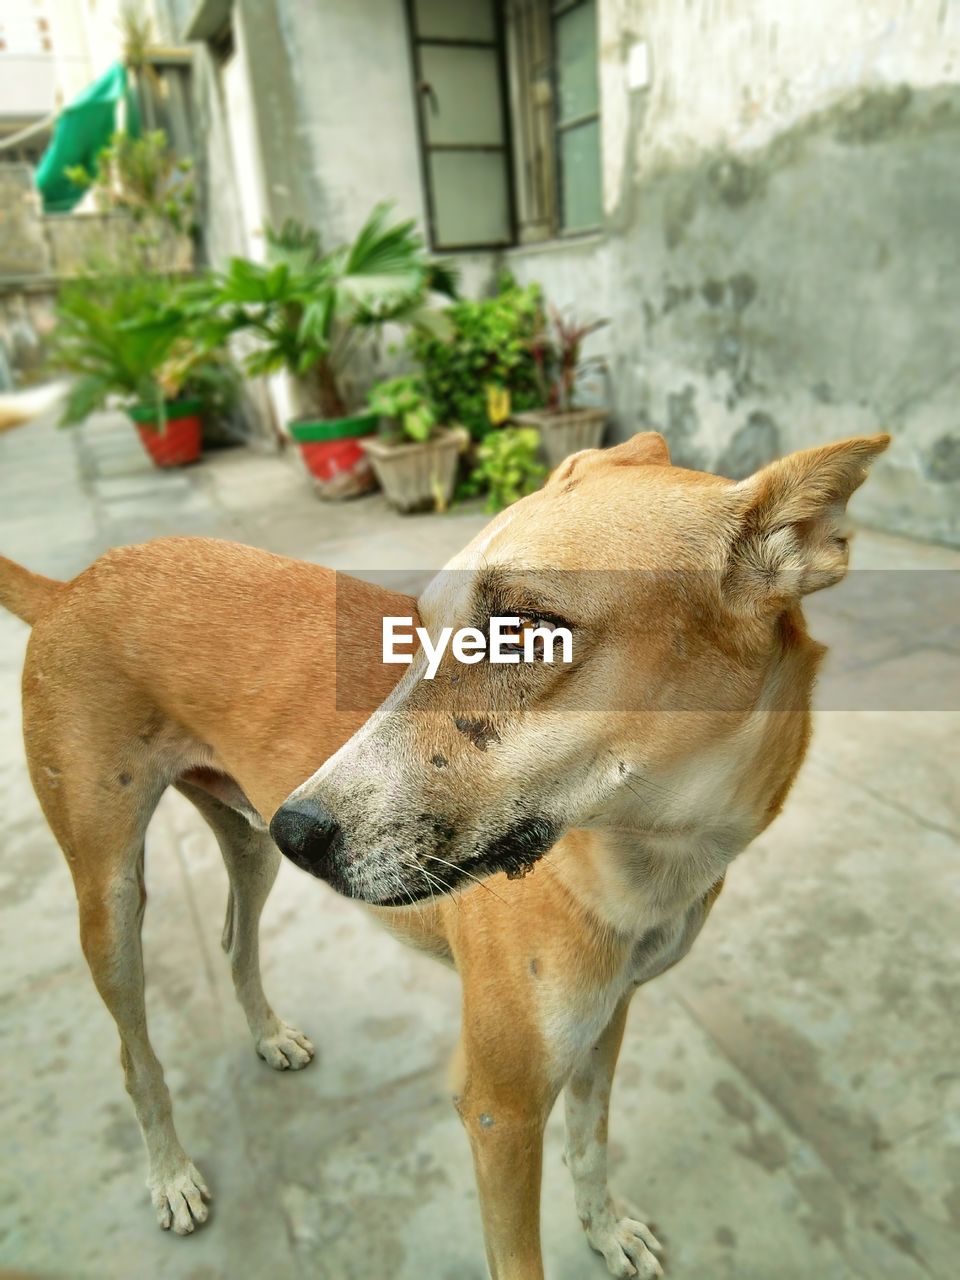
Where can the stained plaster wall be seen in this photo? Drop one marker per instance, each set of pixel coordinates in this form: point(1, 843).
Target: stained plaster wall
point(780, 258)
point(781, 255)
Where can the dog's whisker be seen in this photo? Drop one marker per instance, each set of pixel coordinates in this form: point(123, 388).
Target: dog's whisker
point(415, 906)
point(435, 880)
point(469, 874)
point(659, 788)
point(644, 800)
point(431, 882)
point(554, 871)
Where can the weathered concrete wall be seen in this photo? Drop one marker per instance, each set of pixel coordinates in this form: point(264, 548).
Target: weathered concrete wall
point(348, 67)
point(724, 74)
point(38, 251)
point(334, 120)
point(221, 227)
point(78, 239)
point(26, 321)
point(780, 261)
point(782, 195)
point(23, 248)
point(34, 245)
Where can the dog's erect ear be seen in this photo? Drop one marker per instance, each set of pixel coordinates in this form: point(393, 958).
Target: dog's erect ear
point(792, 538)
point(646, 449)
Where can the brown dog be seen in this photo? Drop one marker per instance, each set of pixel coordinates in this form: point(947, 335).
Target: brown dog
point(643, 767)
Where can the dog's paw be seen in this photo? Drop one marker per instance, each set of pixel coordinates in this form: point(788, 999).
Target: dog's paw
point(285, 1049)
point(629, 1246)
point(179, 1199)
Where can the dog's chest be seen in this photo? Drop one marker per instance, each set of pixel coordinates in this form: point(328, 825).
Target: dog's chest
point(662, 945)
point(575, 1012)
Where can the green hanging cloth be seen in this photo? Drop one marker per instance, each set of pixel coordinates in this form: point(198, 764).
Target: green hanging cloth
point(82, 130)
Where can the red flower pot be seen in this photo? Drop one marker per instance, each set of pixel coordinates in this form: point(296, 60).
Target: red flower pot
point(331, 449)
point(178, 441)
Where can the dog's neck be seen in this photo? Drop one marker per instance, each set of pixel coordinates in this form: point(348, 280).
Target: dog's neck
point(665, 835)
point(631, 878)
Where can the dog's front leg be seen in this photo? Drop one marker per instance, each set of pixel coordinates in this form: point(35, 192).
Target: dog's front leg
point(252, 861)
point(503, 1095)
point(628, 1245)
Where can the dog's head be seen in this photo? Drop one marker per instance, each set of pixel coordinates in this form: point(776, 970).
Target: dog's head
point(686, 693)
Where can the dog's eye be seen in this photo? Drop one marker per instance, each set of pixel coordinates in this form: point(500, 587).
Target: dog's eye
point(525, 633)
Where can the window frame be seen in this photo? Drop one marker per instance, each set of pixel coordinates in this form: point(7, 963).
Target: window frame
point(560, 9)
point(553, 10)
point(426, 148)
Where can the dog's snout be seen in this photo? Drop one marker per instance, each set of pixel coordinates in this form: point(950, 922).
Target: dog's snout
point(308, 835)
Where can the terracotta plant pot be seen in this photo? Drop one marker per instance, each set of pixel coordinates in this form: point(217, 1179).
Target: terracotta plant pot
point(564, 433)
point(331, 449)
point(418, 477)
point(178, 441)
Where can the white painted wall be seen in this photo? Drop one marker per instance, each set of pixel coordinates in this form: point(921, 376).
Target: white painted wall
point(351, 69)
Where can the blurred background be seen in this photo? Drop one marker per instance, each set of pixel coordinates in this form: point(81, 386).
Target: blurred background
point(340, 278)
point(760, 198)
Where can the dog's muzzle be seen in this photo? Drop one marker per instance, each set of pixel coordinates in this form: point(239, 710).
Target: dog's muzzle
point(311, 838)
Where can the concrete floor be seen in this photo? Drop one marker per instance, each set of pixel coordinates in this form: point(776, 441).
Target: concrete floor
point(787, 1100)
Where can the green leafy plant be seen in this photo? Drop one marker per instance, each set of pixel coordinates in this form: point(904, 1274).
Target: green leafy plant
point(127, 337)
point(507, 467)
point(308, 309)
point(136, 36)
point(557, 353)
point(403, 401)
point(491, 346)
point(144, 178)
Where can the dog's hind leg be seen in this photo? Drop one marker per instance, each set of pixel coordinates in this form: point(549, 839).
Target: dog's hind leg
point(252, 861)
point(628, 1245)
point(106, 858)
point(111, 913)
point(98, 786)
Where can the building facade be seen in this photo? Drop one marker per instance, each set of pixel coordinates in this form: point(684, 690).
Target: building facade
point(762, 197)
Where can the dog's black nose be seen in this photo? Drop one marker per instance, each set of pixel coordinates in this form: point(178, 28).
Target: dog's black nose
point(308, 835)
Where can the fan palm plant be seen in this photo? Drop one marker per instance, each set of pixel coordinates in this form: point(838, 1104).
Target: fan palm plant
point(126, 338)
point(308, 309)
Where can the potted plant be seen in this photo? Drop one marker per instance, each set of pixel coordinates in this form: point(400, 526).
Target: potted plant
point(125, 339)
point(488, 357)
point(414, 459)
point(151, 190)
point(564, 427)
point(309, 310)
point(506, 467)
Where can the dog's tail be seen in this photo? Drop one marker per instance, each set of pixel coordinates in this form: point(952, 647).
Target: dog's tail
point(18, 407)
point(24, 593)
